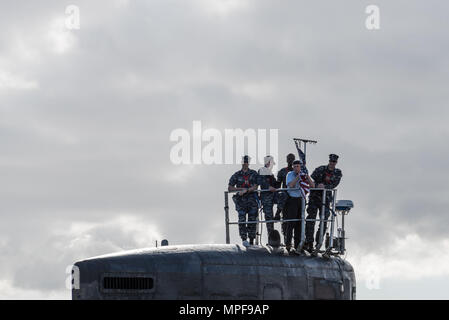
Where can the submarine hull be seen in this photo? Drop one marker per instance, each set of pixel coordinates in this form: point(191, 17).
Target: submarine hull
point(224, 272)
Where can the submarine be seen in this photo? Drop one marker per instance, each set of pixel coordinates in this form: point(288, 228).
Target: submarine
point(228, 271)
point(223, 272)
point(219, 272)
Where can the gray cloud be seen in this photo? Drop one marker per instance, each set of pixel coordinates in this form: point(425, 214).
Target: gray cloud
point(85, 133)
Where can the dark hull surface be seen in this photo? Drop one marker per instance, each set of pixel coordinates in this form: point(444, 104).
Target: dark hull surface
point(212, 272)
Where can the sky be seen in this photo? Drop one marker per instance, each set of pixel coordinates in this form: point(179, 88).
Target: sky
point(86, 116)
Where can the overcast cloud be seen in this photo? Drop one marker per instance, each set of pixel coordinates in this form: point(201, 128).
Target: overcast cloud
point(86, 116)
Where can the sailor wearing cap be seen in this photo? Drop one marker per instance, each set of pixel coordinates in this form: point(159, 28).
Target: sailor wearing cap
point(296, 180)
point(267, 181)
point(245, 182)
point(328, 177)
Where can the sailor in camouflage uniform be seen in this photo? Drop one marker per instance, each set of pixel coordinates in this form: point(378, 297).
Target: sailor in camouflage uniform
point(267, 181)
point(245, 181)
point(325, 177)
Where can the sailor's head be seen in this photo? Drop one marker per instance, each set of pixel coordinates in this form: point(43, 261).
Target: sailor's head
point(297, 166)
point(269, 162)
point(245, 162)
point(290, 158)
point(333, 159)
point(268, 166)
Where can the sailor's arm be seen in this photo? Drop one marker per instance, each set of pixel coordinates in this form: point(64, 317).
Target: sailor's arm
point(253, 188)
point(316, 175)
point(280, 178)
point(232, 183)
point(335, 181)
point(232, 188)
point(254, 182)
point(274, 184)
point(293, 182)
point(311, 183)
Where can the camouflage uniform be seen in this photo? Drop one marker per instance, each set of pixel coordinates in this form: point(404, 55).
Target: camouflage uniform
point(267, 198)
point(281, 196)
point(330, 179)
point(282, 175)
point(246, 204)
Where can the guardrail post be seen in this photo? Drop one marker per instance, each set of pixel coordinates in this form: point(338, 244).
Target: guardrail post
point(303, 224)
point(331, 240)
point(259, 226)
point(343, 249)
point(320, 242)
point(226, 208)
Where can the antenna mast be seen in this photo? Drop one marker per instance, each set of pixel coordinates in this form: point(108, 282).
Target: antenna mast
point(298, 144)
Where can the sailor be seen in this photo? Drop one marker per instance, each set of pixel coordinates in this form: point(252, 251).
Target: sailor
point(282, 195)
point(267, 181)
point(293, 207)
point(245, 182)
point(327, 177)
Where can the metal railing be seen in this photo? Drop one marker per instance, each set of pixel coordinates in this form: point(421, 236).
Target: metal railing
point(321, 219)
